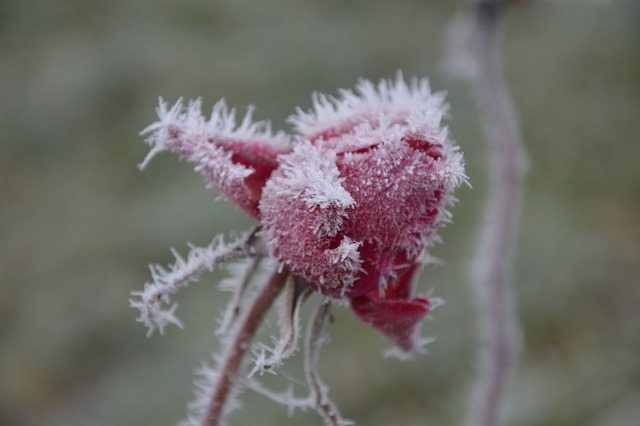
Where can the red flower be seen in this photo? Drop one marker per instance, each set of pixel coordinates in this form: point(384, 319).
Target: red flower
point(351, 207)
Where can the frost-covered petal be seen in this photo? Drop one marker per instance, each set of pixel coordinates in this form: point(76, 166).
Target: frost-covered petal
point(303, 209)
point(401, 193)
point(387, 103)
point(236, 159)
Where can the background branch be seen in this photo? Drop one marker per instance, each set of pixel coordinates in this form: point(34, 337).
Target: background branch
point(491, 273)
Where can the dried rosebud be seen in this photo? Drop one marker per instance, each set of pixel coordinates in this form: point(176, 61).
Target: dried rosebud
point(351, 208)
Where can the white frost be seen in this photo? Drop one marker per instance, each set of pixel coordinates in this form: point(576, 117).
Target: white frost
point(388, 98)
point(156, 295)
point(188, 122)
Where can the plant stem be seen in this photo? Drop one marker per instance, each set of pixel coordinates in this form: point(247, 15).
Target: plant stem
point(319, 391)
point(238, 345)
point(492, 275)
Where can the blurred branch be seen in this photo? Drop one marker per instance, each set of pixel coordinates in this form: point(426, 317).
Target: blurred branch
point(477, 38)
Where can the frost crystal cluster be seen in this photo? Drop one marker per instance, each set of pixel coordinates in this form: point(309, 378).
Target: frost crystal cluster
point(347, 206)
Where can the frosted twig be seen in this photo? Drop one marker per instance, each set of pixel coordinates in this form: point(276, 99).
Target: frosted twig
point(239, 288)
point(491, 274)
point(156, 295)
point(318, 396)
point(319, 391)
point(286, 397)
point(231, 359)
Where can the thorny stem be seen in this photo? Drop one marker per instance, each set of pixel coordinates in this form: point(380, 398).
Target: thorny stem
point(238, 346)
point(498, 328)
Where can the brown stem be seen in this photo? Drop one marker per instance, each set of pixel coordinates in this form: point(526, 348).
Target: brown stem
point(238, 345)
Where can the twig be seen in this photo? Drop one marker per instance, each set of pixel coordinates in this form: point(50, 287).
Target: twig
point(319, 391)
point(318, 396)
point(240, 286)
point(237, 347)
point(295, 294)
point(166, 282)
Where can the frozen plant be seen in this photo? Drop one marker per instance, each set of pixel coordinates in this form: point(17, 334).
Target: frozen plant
point(347, 207)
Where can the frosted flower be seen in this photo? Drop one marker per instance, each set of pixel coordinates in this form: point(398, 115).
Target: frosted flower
point(347, 207)
point(350, 203)
point(391, 171)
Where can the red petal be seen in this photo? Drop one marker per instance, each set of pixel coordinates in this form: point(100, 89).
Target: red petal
point(402, 287)
point(396, 318)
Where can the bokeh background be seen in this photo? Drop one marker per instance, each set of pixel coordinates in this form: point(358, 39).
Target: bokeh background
point(79, 222)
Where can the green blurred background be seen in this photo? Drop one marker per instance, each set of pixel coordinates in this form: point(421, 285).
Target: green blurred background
point(79, 222)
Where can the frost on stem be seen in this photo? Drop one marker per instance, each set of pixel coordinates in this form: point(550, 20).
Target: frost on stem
point(241, 275)
point(318, 398)
point(269, 359)
point(207, 376)
point(215, 397)
point(152, 302)
point(475, 55)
